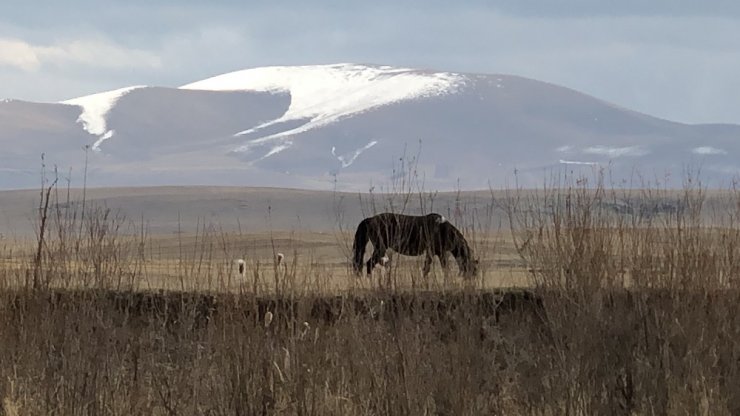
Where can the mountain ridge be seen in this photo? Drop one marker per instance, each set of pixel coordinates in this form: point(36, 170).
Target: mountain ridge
point(345, 126)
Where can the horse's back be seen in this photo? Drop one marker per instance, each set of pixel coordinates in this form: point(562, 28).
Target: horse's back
point(406, 219)
point(407, 234)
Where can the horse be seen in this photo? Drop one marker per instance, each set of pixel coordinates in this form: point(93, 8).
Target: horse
point(412, 235)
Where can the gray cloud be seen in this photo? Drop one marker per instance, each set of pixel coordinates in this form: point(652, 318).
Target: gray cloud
point(95, 53)
point(585, 8)
point(670, 58)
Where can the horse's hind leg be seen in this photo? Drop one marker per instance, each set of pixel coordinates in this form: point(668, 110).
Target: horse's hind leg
point(427, 264)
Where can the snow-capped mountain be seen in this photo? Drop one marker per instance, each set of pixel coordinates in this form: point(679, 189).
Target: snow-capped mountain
point(349, 126)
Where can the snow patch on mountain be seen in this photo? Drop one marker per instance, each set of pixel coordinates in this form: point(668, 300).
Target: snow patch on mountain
point(616, 151)
point(94, 109)
point(708, 150)
point(101, 139)
point(276, 149)
point(323, 94)
point(349, 158)
point(576, 162)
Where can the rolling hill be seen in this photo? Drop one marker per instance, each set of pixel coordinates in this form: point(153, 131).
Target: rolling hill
point(349, 127)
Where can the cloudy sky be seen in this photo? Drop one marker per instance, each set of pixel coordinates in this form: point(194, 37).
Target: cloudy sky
point(677, 59)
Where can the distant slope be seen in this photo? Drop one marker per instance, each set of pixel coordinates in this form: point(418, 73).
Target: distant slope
point(165, 210)
point(347, 126)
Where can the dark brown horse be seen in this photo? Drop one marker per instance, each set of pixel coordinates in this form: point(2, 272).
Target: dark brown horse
point(412, 235)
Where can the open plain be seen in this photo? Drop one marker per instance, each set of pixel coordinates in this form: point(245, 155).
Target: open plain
point(191, 237)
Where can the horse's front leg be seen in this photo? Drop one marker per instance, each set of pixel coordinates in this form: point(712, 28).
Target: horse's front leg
point(370, 265)
point(376, 258)
point(443, 260)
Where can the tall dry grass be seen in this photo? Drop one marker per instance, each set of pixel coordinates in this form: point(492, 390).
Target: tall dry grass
point(640, 289)
point(633, 309)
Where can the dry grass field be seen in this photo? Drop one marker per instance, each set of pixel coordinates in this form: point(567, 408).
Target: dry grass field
point(317, 261)
point(590, 301)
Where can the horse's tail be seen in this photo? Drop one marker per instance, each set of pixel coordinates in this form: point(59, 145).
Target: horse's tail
point(361, 238)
